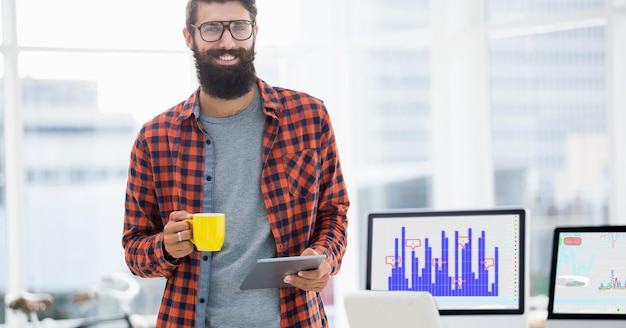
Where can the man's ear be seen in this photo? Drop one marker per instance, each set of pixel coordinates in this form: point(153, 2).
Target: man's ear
point(188, 38)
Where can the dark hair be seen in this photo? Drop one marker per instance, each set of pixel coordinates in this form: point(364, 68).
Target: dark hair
point(192, 10)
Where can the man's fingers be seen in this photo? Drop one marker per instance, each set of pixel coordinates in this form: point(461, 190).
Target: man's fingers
point(301, 282)
point(179, 216)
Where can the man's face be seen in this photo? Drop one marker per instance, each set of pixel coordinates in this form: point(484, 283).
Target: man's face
point(225, 67)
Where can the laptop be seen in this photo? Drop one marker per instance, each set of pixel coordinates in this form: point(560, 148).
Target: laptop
point(588, 277)
point(376, 309)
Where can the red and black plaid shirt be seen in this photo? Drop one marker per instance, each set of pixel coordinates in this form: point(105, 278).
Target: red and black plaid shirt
point(302, 186)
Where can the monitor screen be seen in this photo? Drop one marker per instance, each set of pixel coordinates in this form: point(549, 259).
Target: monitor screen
point(588, 274)
point(471, 261)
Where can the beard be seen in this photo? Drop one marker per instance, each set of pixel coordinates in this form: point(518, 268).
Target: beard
point(225, 81)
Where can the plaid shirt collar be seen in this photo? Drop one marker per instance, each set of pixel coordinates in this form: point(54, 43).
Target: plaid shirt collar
point(269, 98)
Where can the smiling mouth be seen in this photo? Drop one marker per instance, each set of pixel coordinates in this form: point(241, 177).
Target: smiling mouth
point(226, 57)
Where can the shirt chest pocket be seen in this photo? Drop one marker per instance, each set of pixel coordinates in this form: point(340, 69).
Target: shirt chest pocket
point(302, 171)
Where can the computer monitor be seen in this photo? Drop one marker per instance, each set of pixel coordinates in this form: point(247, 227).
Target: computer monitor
point(472, 261)
point(587, 277)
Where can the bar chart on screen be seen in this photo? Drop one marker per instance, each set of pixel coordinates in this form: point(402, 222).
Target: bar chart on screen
point(453, 271)
point(459, 261)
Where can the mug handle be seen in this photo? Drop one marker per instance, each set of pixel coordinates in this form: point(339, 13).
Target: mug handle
point(190, 221)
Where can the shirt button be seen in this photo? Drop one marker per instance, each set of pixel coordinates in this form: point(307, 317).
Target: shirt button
point(206, 258)
point(208, 141)
point(208, 178)
point(202, 300)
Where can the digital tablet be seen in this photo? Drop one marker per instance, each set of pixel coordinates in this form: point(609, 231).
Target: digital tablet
point(269, 273)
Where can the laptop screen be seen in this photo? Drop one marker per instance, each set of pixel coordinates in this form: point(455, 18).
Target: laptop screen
point(588, 274)
point(471, 261)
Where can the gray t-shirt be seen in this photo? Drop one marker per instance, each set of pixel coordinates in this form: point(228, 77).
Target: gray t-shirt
point(237, 144)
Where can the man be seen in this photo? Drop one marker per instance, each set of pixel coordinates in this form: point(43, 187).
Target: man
point(264, 156)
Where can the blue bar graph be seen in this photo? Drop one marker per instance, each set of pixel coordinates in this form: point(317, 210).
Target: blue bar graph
point(433, 273)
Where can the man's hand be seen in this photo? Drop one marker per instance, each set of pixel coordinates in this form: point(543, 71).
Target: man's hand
point(311, 280)
point(171, 244)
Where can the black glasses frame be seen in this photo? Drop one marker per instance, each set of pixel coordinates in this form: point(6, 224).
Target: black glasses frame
point(226, 25)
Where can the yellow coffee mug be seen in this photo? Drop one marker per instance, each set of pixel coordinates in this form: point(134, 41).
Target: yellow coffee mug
point(208, 230)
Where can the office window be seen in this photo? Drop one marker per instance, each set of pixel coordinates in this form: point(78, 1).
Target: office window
point(81, 115)
point(293, 47)
point(509, 10)
point(375, 18)
point(393, 113)
point(550, 132)
point(390, 99)
point(294, 24)
point(116, 24)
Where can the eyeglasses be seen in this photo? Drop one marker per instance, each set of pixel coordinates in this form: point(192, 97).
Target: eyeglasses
point(240, 30)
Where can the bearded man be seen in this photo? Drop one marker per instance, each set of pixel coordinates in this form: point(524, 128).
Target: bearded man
point(264, 156)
